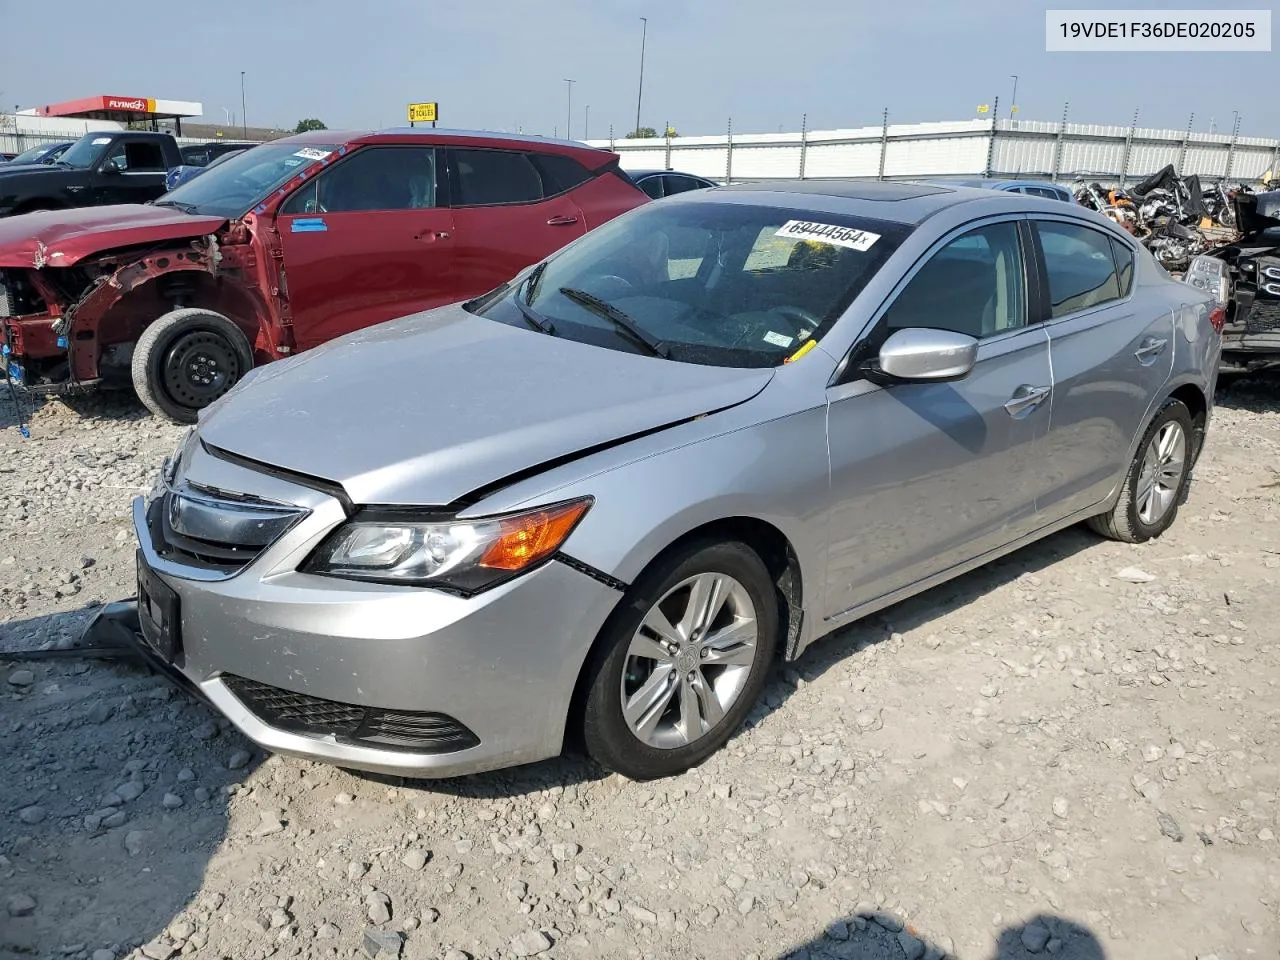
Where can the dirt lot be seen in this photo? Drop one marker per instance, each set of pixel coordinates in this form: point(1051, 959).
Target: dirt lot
point(1071, 753)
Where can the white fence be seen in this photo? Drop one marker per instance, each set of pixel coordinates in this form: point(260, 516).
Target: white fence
point(960, 148)
point(20, 132)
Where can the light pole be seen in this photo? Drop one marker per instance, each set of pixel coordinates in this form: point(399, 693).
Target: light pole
point(244, 116)
point(644, 34)
point(568, 126)
point(1013, 104)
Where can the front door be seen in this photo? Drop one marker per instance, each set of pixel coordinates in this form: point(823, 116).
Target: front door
point(1111, 355)
point(366, 241)
point(925, 476)
point(132, 171)
point(505, 219)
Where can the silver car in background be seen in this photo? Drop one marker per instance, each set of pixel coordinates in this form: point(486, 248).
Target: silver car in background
point(598, 503)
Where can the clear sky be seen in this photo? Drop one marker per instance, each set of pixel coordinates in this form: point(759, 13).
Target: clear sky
point(501, 64)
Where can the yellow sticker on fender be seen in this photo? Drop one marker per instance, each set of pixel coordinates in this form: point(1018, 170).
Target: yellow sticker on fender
point(828, 233)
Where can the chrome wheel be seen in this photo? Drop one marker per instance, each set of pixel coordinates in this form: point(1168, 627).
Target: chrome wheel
point(689, 660)
point(1161, 473)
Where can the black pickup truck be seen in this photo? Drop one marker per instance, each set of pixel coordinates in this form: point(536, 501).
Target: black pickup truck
point(107, 166)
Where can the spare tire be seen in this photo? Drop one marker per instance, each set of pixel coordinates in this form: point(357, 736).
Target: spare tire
point(186, 360)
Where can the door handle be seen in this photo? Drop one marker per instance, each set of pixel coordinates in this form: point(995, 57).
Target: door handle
point(561, 221)
point(1024, 400)
point(1150, 349)
point(431, 235)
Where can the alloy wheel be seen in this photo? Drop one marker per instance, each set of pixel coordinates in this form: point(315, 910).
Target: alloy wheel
point(689, 660)
point(1161, 474)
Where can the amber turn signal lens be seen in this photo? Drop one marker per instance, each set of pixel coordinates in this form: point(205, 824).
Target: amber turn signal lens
point(531, 537)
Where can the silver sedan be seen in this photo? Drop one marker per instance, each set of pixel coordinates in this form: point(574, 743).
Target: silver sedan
point(598, 503)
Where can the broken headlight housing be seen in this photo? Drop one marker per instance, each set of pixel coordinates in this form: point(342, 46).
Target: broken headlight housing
point(1210, 275)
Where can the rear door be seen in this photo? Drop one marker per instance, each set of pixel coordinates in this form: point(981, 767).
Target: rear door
point(1112, 352)
point(510, 211)
point(367, 240)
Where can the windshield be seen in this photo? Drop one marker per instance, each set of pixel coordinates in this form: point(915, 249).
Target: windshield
point(32, 154)
point(232, 188)
point(721, 284)
point(85, 152)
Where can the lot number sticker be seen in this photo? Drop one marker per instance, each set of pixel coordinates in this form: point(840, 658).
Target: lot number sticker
point(311, 153)
point(831, 233)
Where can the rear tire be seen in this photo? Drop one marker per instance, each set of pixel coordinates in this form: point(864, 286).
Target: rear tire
point(1157, 481)
point(703, 682)
point(186, 360)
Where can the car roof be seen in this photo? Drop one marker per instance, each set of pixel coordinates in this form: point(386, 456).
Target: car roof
point(905, 202)
point(997, 184)
point(595, 156)
point(677, 173)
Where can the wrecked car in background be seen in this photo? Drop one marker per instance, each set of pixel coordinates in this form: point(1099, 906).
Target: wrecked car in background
point(1245, 276)
point(282, 248)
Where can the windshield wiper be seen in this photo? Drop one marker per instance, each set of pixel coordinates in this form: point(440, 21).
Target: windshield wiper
point(531, 316)
point(184, 207)
point(619, 319)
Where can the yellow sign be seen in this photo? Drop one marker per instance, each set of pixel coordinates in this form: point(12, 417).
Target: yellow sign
point(1014, 108)
point(983, 108)
point(423, 112)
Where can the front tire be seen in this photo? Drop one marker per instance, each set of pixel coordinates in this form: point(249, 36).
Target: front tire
point(186, 360)
point(682, 661)
point(1157, 481)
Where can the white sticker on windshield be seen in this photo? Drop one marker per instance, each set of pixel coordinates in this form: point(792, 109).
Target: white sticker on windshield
point(99, 141)
point(828, 233)
point(311, 153)
point(778, 339)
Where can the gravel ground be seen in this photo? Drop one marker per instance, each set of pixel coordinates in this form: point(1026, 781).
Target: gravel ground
point(1070, 753)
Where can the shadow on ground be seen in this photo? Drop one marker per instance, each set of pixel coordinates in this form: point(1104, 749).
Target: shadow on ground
point(931, 605)
point(882, 936)
point(18, 406)
point(112, 799)
point(1254, 393)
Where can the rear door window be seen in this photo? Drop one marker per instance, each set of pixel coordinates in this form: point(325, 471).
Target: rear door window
point(492, 177)
point(652, 186)
point(560, 174)
point(1124, 266)
point(677, 184)
point(1080, 266)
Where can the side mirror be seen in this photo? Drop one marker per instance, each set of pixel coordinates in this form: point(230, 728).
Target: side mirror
point(114, 165)
point(922, 354)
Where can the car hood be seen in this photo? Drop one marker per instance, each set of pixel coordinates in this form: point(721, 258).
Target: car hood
point(59, 238)
point(433, 407)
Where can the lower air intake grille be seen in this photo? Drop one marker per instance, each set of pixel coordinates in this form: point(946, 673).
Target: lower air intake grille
point(1263, 317)
point(350, 723)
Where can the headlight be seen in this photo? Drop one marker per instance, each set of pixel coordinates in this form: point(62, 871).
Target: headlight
point(169, 467)
point(1210, 275)
point(465, 555)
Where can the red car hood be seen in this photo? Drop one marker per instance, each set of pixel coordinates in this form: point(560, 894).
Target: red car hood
point(59, 238)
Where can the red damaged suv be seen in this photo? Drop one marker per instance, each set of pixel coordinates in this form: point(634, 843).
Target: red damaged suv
point(288, 245)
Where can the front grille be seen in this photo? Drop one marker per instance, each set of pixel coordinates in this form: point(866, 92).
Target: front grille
point(1263, 317)
point(17, 296)
point(214, 531)
point(349, 723)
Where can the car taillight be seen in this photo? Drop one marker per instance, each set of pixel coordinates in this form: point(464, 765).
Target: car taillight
point(1218, 318)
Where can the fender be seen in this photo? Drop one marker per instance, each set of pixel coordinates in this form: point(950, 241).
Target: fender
point(80, 324)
